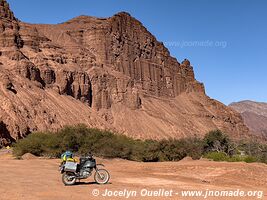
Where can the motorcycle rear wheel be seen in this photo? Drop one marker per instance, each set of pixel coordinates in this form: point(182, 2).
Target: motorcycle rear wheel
point(68, 178)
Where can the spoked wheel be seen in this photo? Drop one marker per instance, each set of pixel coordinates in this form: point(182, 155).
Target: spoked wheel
point(68, 178)
point(102, 176)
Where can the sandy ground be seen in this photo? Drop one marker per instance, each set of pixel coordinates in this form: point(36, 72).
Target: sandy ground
point(39, 179)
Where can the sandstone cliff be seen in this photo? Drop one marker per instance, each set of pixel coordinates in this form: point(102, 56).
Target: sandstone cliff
point(103, 72)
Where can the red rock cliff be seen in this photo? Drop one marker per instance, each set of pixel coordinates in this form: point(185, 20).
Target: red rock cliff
point(103, 72)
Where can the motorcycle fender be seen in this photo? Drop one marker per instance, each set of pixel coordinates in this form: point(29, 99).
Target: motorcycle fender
point(61, 169)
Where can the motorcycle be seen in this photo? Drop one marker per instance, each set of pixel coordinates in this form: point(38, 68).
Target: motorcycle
point(73, 171)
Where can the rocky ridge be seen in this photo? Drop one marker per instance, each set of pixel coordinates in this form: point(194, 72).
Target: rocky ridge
point(108, 73)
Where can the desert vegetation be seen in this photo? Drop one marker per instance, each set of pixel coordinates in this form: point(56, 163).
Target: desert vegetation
point(81, 140)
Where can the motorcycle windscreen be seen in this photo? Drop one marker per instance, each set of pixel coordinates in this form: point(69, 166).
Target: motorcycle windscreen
point(70, 166)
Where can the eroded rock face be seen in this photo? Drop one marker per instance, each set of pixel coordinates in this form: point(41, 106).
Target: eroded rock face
point(10, 40)
point(76, 84)
point(30, 71)
point(106, 73)
point(5, 137)
point(136, 53)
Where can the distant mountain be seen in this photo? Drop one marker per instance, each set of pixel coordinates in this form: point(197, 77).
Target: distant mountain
point(254, 115)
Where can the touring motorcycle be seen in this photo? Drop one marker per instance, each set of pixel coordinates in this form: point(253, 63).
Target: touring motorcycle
point(73, 171)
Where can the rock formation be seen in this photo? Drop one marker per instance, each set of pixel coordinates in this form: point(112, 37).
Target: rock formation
point(103, 72)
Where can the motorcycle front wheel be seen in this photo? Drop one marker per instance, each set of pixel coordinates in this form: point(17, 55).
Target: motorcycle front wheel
point(101, 176)
point(68, 178)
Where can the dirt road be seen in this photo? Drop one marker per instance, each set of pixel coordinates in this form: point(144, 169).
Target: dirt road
point(39, 179)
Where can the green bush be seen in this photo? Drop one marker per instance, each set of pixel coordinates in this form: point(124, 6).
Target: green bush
point(82, 140)
point(250, 159)
point(220, 156)
point(216, 141)
point(34, 144)
point(151, 151)
point(216, 156)
point(173, 150)
point(255, 150)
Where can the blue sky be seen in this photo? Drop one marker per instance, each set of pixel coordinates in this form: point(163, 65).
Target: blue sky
point(225, 40)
